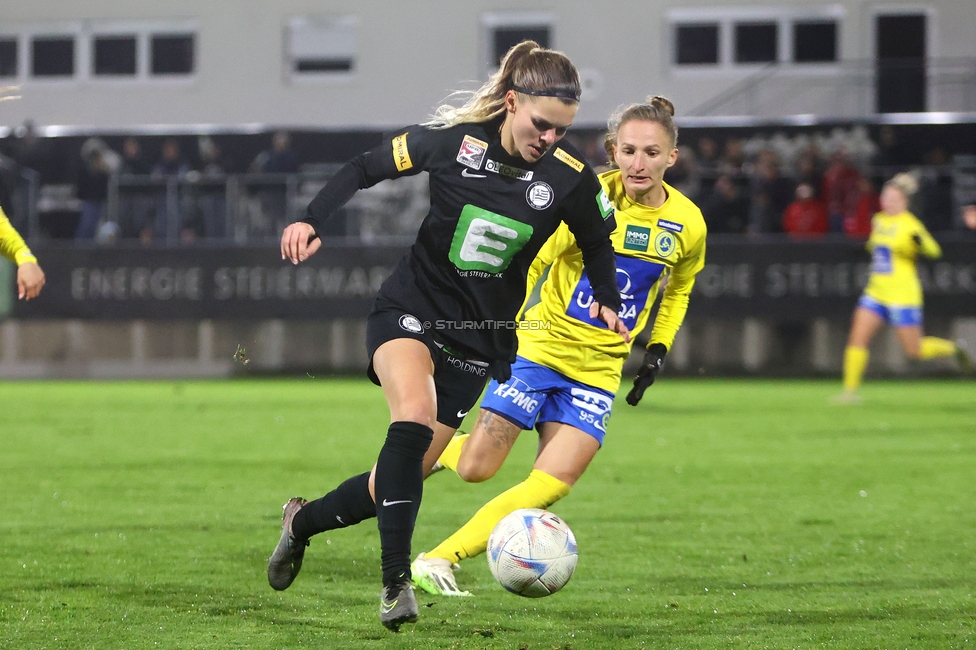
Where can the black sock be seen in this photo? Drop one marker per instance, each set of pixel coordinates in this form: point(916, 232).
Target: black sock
point(399, 488)
point(346, 505)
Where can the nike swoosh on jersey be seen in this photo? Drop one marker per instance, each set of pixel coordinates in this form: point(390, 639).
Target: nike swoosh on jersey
point(467, 174)
point(393, 503)
point(461, 414)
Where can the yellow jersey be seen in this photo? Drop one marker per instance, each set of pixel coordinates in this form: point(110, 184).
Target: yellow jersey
point(894, 279)
point(650, 244)
point(12, 245)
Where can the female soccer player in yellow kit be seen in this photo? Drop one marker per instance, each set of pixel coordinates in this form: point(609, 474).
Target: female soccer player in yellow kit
point(30, 277)
point(894, 293)
point(566, 375)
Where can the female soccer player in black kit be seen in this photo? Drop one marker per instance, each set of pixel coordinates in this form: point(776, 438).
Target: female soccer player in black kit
point(441, 324)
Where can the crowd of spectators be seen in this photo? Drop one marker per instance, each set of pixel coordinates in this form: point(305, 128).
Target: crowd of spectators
point(807, 184)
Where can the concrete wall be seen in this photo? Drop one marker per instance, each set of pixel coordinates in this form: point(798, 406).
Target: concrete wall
point(409, 55)
point(102, 350)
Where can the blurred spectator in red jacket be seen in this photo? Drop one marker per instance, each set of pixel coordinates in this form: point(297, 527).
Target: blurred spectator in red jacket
point(858, 223)
point(806, 216)
point(841, 189)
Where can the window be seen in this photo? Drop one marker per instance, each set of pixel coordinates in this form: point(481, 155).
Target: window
point(696, 44)
point(321, 45)
point(8, 57)
point(755, 42)
point(815, 41)
point(53, 56)
point(504, 29)
point(114, 55)
point(171, 54)
point(723, 39)
point(505, 38)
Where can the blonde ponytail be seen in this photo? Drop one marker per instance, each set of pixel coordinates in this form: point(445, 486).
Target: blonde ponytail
point(526, 68)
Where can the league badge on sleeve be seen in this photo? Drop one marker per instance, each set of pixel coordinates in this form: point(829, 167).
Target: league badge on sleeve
point(472, 152)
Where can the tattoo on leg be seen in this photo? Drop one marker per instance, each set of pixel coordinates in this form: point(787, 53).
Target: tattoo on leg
point(500, 431)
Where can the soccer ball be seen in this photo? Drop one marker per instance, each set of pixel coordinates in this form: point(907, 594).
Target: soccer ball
point(532, 553)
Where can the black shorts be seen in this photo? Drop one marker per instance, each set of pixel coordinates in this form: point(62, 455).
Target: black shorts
point(459, 379)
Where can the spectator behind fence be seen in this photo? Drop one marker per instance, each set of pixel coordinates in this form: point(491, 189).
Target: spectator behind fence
point(934, 203)
point(708, 164)
point(841, 189)
point(809, 170)
point(35, 152)
point(273, 196)
point(98, 162)
point(771, 193)
point(806, 216)
point(135, 202)
point(726, 208)
point(171, 165)
point(209, 193)
point(857, 225)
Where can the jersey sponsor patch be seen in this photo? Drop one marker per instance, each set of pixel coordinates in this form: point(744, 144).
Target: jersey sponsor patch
point(603, 202)
point(669, 225)
point(507, 170)
point(637, 238)
point(472, 152)
point(635, 278)
point(559, 154)
point(485, 241)
point(401, 155)
point(664, 243)
point(539, 195)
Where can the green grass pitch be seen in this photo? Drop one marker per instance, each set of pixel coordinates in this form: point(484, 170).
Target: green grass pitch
point(720, 514)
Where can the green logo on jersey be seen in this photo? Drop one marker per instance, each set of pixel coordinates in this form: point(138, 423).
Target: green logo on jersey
point(603, 202)
point(637, 238)
point(485, 241)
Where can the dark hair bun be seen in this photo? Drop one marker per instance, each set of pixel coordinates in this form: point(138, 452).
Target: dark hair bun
point(662, 103)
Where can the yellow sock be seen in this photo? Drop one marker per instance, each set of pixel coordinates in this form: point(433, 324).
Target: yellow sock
point(452, 453)
point(539, 490)
point(933, 347)
point(855, 361)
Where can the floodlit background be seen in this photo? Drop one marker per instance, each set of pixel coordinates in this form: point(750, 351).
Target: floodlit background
point(158, 149)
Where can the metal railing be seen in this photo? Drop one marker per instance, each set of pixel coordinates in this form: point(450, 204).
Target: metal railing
point(242, 208)
point(843, 90)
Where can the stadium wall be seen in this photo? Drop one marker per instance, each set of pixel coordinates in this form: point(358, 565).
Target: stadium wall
point(769, 307)
point(390, 63)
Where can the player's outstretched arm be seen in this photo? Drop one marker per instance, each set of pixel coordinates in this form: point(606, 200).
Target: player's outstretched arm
point(650, 366)
point(295, 244)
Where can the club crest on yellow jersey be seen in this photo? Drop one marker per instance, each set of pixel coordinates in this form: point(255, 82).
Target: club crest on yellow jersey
point(665, 243)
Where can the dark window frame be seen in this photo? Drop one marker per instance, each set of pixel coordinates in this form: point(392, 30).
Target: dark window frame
point(156, 66)
point(13, 63)
point(683, 53)
point(42, 65)
point(118, 72)
point(809, 53)
point(750, 53)
point(499, 47)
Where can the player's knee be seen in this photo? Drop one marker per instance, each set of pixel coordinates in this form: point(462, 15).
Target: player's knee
point(474, 470)
point(419, 411)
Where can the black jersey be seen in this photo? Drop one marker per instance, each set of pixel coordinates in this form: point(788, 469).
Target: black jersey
point(490, 213)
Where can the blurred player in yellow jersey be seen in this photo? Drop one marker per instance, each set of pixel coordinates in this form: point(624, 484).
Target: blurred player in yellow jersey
point(569, 364)
point(894, 293)
point(30, 277)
